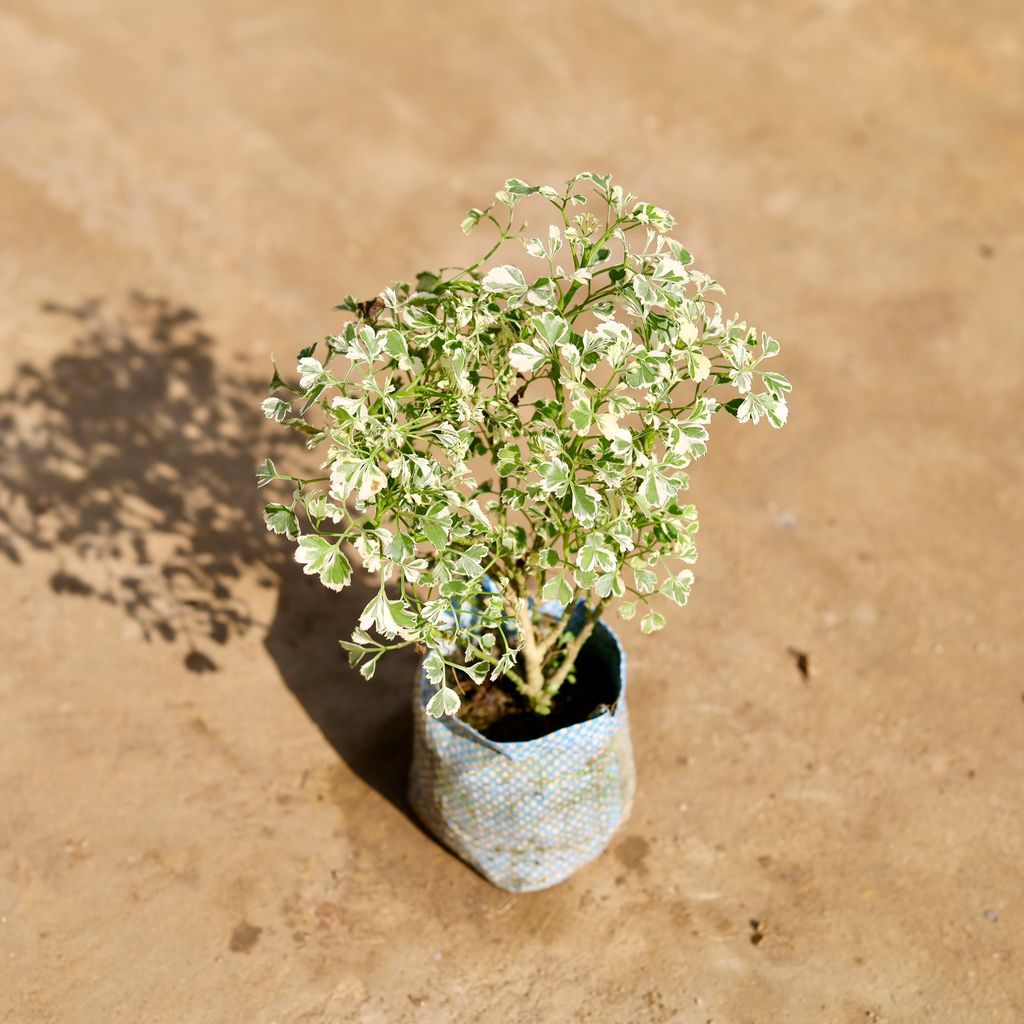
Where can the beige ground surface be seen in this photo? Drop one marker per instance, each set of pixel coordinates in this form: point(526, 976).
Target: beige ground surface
point(198, 823)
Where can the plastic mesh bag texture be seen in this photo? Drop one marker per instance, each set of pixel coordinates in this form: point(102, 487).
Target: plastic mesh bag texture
point(526, 814)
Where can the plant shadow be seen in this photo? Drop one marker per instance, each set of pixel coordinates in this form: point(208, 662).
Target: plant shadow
point(129, 461)
point(368, 722)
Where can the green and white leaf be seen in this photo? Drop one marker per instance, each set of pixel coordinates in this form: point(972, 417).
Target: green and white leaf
point(505, 280)
point(281, 519)
point(652, 622)
point(444, 702)
point(557, 589)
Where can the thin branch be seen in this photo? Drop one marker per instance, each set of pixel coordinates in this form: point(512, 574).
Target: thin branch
point(556, 631)
point(554, 684)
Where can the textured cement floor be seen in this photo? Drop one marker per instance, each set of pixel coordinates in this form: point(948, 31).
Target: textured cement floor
point(201, 822)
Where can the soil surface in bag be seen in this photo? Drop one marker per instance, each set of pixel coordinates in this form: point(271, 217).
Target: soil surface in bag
point(501, 713)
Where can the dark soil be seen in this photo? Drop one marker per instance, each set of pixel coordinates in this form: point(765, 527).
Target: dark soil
point(499, 712)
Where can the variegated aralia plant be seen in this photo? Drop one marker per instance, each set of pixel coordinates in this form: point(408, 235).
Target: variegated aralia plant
point(505, 441)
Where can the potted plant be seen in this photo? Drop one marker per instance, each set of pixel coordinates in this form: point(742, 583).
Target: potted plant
point(503, 448)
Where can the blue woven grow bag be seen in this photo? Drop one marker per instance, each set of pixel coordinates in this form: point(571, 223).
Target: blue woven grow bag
point(526, 814)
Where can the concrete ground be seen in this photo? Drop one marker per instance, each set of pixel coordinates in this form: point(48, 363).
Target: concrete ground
point(202, 815)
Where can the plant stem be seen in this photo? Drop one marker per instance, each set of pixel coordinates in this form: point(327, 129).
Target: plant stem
point(532, 658)
point(554, 684)
point(556, 630)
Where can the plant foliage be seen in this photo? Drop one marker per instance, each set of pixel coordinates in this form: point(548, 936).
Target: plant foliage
point(503, 441)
